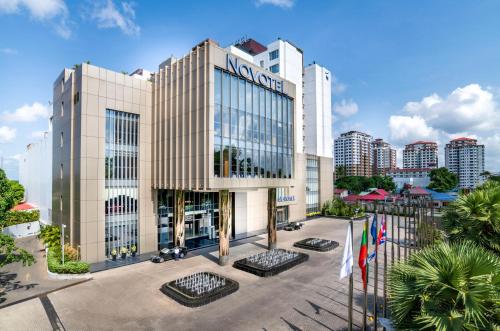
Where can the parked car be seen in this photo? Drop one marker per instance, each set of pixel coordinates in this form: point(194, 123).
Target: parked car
point(294, 226)
point(168, 254)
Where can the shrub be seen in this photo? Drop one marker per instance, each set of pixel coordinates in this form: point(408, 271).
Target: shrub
point(446, 287)
point(476, 217)
point(51, 236)
point(69, 267)
point(338, 207)
point(13, 217)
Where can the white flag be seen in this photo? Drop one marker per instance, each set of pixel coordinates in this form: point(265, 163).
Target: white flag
point(347, 259)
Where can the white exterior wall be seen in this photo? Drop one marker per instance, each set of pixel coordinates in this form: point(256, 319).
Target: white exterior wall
point(318, 111)
point(290, 62)
point(35, 174)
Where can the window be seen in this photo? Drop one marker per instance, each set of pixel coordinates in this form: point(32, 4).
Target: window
point(255, 135)
point(62, 109)
point(274, 68)
point(61, 171)
point(274, 54)
point(76, 98)
point(62, 140)
point(60, 203)
point(262, 63)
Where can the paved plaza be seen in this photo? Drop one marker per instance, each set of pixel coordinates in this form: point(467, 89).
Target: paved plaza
point(308, 297)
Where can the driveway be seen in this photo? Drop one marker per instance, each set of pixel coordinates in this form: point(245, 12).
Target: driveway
point(19, 283)
point(308, 297)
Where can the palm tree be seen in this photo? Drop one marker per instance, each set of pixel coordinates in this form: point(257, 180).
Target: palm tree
point(446, 287)
point(476, 217)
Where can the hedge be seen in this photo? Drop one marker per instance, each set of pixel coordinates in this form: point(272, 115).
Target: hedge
point(69, 267)
point(13, 217)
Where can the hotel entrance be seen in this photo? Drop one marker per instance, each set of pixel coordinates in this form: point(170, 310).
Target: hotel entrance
point(282, 215)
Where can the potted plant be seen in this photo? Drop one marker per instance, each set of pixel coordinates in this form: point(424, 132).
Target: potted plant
point(133, 249)
point(113, 254)
point(123, 252)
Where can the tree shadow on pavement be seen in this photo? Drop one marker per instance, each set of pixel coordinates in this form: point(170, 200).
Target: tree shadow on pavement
point(9, 283)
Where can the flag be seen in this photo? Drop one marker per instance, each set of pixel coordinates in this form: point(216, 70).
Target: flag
point(382, 234)
point(347, 259)
point(363, 255)
point(381, 238)
point(373, 229)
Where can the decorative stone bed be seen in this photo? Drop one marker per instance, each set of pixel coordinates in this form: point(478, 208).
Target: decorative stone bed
point(199, 289)
point(271, 262)
point(316, 244)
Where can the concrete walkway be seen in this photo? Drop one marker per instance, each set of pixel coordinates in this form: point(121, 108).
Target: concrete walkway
point(20, 283)
point(307, 297)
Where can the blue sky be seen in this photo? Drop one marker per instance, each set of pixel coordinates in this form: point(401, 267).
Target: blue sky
point(405, 70)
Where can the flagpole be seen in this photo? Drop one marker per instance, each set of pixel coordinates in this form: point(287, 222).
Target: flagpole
point(366, 288)
point(385, 263)
point(375, 289)
point(351, 280)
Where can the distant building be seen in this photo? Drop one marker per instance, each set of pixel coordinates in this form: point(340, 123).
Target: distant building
point(353, 151)
point(420, 154)
point(411, 176)
point(384, 157)
point(465, 158)
point(340, 193)
point(35, 174)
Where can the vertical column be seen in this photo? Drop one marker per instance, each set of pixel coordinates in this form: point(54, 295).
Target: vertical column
point(271, 218)
point(179, 218)
point(224, 225)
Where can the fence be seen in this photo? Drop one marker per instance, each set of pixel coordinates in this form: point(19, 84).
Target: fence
point(410, 226)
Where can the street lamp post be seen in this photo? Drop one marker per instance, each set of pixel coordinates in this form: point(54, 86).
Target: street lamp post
point(62, 241)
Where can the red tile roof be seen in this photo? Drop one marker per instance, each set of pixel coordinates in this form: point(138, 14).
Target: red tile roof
point(423, 142)
point(339, 190)
point(418, 191)
point(24, 206)
point(463, 138)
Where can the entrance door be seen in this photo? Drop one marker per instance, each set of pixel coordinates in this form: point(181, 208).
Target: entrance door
point(280, 216)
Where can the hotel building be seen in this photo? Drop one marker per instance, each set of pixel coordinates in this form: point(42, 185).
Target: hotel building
point(205, 150)
point(464, 157)
point(353, 151)
point(420, 154)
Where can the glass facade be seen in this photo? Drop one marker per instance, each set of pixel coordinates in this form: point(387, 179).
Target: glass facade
point(201, 218)
point(312, 186)
point(121, 180)
point(253, 130)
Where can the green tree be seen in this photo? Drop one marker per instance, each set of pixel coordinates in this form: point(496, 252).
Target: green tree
point(354, 184)
point(10, 253)
point(476, 217)
point(442, 180)
point(384, 182)
point(340, 172)
point(446, 287)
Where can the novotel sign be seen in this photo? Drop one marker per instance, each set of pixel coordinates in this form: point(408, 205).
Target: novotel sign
point(243, 70)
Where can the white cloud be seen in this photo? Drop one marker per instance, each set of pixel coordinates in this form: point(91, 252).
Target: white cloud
point(9, 51)
point(345, 108)
point(406, 129)
point(27, 113)
point(337, 86)
point(277, 3)
point(465, 109)
point(7, 134)
point(469, 111)
point(53, 11)
point(38, 134)
point(107, 16)
point(16, 157)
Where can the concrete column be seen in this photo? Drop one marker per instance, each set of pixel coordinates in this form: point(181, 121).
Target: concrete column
point(224, 225)
point(271, 218)
point(179, 239)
